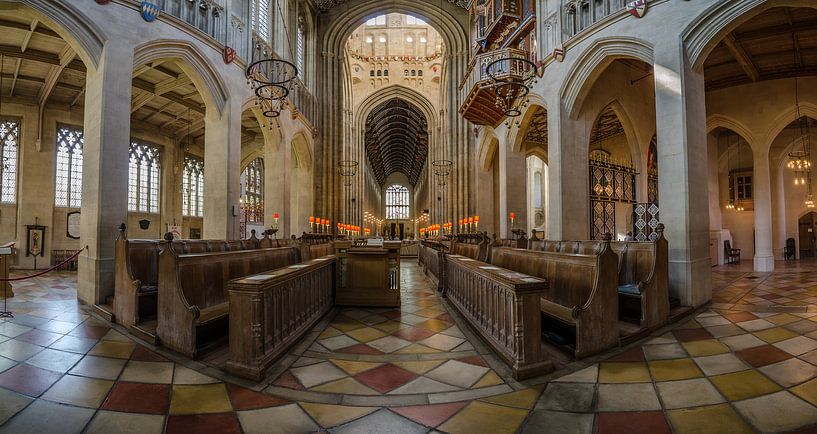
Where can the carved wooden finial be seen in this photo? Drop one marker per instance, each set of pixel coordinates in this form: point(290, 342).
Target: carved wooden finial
point(168, 236)
point(123, 227)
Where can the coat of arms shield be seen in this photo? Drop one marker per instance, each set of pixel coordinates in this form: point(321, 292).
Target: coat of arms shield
point(150, 11)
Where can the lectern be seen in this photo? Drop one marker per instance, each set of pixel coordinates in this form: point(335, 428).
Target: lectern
point(6, 252)
point(367, 275)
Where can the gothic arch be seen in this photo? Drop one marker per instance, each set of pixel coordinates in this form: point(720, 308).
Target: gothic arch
point(73, 26)
point(487, 147)
point(724, 121)
point(517, 135)
point(396, 91)
point(785, 118)
point(193, 63)
point(593, 62)
point(301, 142)
point(705, 31)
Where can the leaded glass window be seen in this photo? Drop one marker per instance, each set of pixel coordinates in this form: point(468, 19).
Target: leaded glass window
point(397, 202)
point(69, 166)
point(193, 187)
point(143, 178)
point(9, 136)
point(300, 49)
point(252, 200)
point(260, 15)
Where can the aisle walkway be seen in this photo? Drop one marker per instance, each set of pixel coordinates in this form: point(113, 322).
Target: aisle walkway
point(418, 369)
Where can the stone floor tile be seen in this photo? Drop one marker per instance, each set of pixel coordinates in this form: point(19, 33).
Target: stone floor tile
point(766, 412)
point(419, 367)
point(725, 330)
point(707, 347)
point(328, 415)
point(627, 397)
point(433, 324)
point(320, 373)
point(457, 373)
point(217, 423)
point(797, 345)
point(11, 404)
point(148, 372)
point(442, 342)
point(28, 380)
point(18, 350)
point(54, 360)
point(345, 386)
point(337, 342)
point(12, 330)
point(49, 417)
point(138, 398)
point(744, 384)
point(106, 422)
point(790, 372)
point(694, 334)
point(715, 419)
point(741, 342)
point(756, 325)
point(99, 367)
point(246, 399)
point(807, 391)
point(423, 385)
point(525, 398)
point(61, 327)
point(688, 393)
point(209, 398)
point(74, 344)
point(80, 391)
point(802, 326)
point(676, 369)
point(352, 367)
point(556, 422)
point(664, 351)
point(776, 334)
point(720, 364)
point(783, 319)
point(430, 415)
point(385, 378)
point(483, 417)
point(623, 373)
point(114, 349)
point(649, 422)
point(575, 397)
point(712, 320)
point(417, 349)
point(586, 375)
point(389, 344)
point(44, 338)
point(183, 375)
point(763, 355)
point(365, 334)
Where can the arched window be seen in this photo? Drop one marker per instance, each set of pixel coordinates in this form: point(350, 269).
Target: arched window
point(300, 48)
point(405, 72)
point(385, 73)
point(413, 72)
point(252, 198)
point(371, 73)
point(69, 167)
point(260, 16)
point(537, 190)
point(143, 178)
point(397, 202)
point(9, 134)
point(419, 72)
point(379, 73)
point(193, 187)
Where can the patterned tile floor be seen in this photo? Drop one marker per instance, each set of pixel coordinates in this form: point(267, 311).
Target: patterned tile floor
point(745, 364)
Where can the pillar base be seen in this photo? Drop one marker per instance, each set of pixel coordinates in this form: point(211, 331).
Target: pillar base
point(691, 281)
point(764, 263)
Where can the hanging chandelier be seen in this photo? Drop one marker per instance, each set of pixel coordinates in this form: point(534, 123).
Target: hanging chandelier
point(511, 76)
point(271, 80)
point(799, 161)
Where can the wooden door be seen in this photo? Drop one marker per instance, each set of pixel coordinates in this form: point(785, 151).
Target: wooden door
point(807, 233)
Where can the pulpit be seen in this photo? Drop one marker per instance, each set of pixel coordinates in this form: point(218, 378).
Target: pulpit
point(6, 254)
point(368, 275)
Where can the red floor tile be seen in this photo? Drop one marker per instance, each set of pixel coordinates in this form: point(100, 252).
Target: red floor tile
point(142, 354)
point(445, 317)
point(739, 316)
point(89, 331)
point(289, 381)
point(474, 360)
point(430, 415)
point(650, 422)
point(414, 334)
point(220, 423)
point(28, 380)
point(696, 334)
point(386, 378)
point(246, 399)
point(39, 337)
point(632, 355)
point(138, 398)
point(360, 349)
point(763, 355)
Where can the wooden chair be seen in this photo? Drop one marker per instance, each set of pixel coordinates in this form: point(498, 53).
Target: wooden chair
point(788, 251)
point(730, 255)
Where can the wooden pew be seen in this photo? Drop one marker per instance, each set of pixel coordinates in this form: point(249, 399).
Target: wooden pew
point(474, 246)
point(580, 304)
point(431, 258)
point(643, 280)
point(503, 308)
point(136, 269)
point(193, 301)
point(272, 311)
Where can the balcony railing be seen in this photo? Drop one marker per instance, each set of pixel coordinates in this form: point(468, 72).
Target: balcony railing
point(578, 15)
point(478, 100)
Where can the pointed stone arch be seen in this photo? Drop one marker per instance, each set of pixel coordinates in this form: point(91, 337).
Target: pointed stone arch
point(73, 26)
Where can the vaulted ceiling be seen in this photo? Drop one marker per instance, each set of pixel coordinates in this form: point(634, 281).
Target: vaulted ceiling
point(396, 140)
point(607, 125)
point(779, 43)
point(325, 5)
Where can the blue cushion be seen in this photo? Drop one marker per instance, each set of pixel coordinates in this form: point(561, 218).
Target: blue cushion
point(629, 289)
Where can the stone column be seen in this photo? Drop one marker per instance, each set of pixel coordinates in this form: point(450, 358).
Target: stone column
point(568, 203)
point(484, 184)
point(680, 108)
point(222, 171)
point(105, 168)
point(762, 196)
point(513, 191)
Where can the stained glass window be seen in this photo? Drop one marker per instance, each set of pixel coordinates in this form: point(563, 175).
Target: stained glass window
point(397, 202)
point(69, 166)
point(193, 187)
point(9, 135)
point(252, 199)
point(143, 178)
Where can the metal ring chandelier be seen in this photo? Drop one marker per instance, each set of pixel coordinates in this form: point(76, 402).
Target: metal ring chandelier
point(511, 78)
point(272, 80)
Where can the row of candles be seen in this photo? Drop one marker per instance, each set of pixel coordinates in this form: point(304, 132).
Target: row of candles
point(466, 225)
point(321, 226)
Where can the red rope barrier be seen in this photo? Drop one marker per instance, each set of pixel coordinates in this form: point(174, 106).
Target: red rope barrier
point(31, 276)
